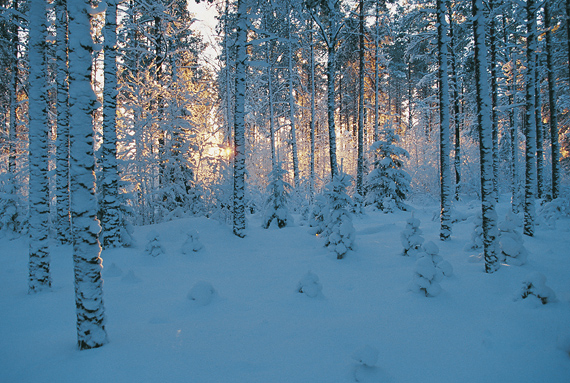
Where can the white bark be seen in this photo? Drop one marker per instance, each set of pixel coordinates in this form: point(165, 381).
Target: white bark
point(39, 259)
point(489, 215)
point(86, 249)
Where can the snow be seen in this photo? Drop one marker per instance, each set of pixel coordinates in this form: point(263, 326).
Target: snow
point(258, 328)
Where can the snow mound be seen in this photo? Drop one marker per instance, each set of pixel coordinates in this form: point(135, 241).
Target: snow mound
point(563, 343)
point(192, 243)
point(477, 234)
point(511, 242)
point(310, 285)
point(202, 293)
point(534, 285)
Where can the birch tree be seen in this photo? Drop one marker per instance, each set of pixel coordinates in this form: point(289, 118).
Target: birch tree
point(555, 146)
point(530, 121)
point(109, 204)
point(444, 122)
point(239, 221)
point(62, 183)
point(87, 262)
point(490, 231)
point(39, 258)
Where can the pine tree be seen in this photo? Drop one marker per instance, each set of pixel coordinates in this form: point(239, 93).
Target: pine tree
point(339, 231)
point(485, 128)
point(388, 184)
point(86, 248)
point(39, 259)
point(276, 204)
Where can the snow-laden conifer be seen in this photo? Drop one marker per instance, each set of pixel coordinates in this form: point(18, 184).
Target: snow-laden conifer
point(339, 231)
point(388, 184)
point(534, 285)
point(511, 242)
point(39, 259)
point(153, 246)
point(477, 234)
point(429, 270)
point(411, 237)
point(86, 248)
point(276, 204)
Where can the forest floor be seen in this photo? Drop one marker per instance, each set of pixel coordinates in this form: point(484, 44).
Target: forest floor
point(259, 328)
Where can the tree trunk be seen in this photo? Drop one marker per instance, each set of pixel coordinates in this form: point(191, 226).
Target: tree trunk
point(445, 172)
point(530, 122)
point(239, 122)
point(62, 185)
point(360, 135)
point(39, 258)
point(456, 109)
point(555, 145)
point(292, 108)
point(313, 116)
point(489, 215)
point(86, 248)
point(494, 94)
point(110, 205)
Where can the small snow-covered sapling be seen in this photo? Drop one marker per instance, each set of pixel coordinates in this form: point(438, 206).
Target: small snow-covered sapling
point(429, 270)
point(192, 243)
point(310, 285)
point(477, 234)
point(534, 285)
point(153, 247)
point(511, 242)
point(411, 237)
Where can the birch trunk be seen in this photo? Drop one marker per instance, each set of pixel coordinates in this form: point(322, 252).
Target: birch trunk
point(109, 204)
point(530, 122)
point(86, 249)
point(445, 172)
point(555, 145)
point(239, 122)
point(39, 258)
point(490, 231)
point(360, 135)
point(292, 108)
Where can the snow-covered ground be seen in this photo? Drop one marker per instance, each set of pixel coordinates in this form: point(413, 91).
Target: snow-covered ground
point(165, 324)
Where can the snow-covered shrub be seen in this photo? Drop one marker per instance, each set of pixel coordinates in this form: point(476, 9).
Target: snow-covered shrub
point(534, 285)
point(153, 247)
point(276, 203)
point(511, 242)
point(411, 237)
point(192, 243)
point(388, 184)
point(477, 234)
point(310, 285)
point(202, 293)
point(12, 218)
point(552, 211)
point(429, 270)
point(316, 217)
point(339, 230)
